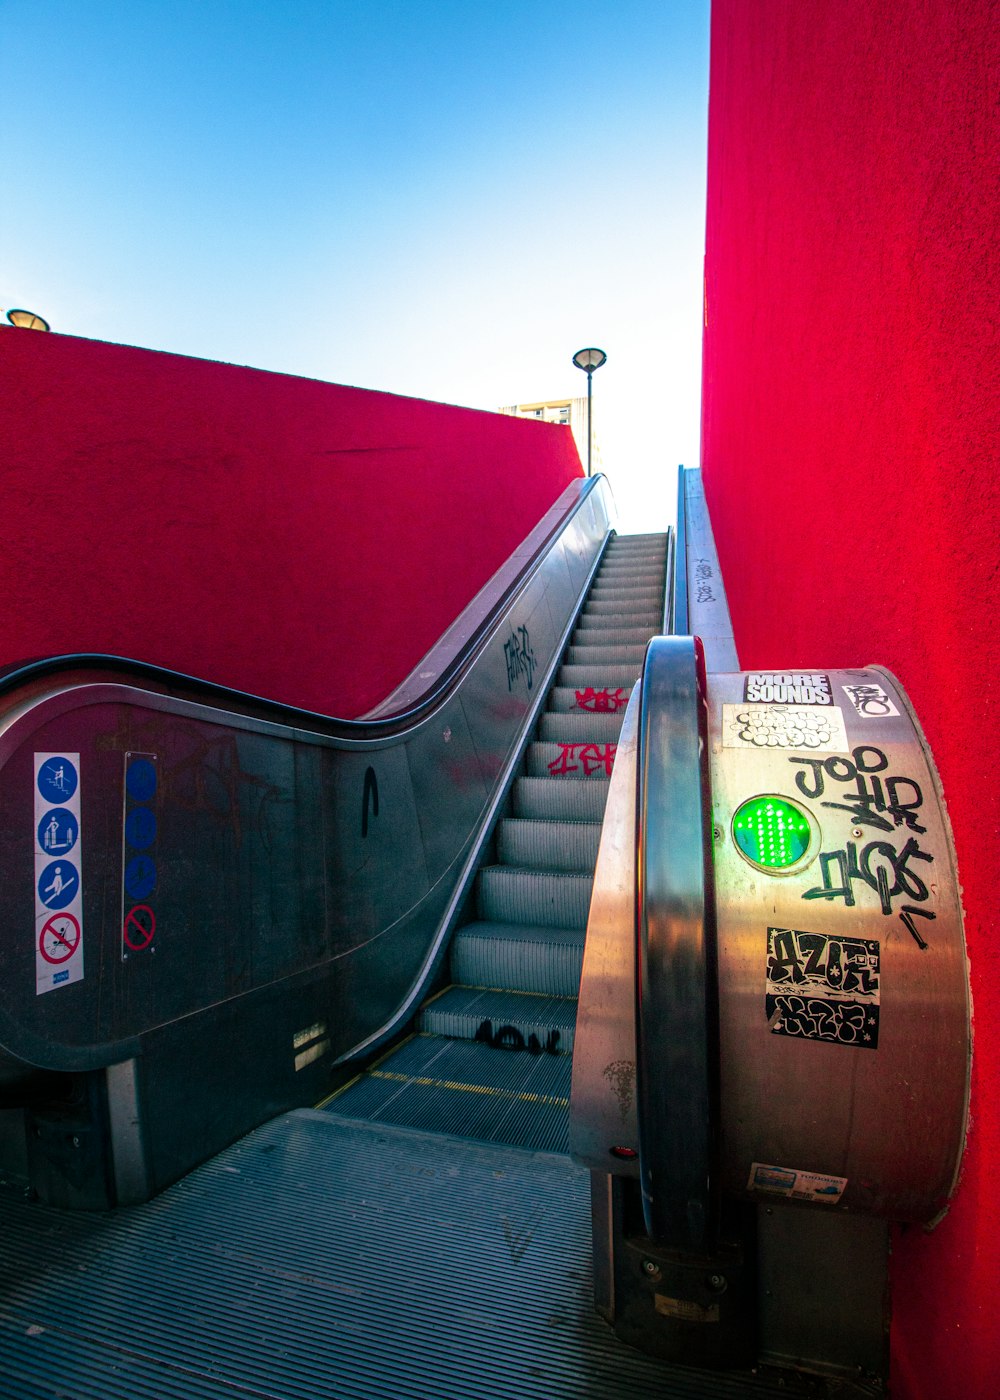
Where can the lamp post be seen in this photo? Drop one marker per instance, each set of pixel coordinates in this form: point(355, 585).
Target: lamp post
point(588, 360)
point(27, 320)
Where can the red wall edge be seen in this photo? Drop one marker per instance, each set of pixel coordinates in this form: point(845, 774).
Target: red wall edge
point(303, 541)
point(850, 434)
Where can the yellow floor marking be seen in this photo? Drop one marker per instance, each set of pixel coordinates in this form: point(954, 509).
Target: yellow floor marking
point(550, 1100)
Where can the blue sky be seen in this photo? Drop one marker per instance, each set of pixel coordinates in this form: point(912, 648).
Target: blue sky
point(436, 199)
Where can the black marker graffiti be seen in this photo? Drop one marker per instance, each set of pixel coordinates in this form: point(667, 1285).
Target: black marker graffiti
point(897, 797)
point(510, 1038)
point(880, 866)
point(703, 581)
point(369, 794)
point(520, 657)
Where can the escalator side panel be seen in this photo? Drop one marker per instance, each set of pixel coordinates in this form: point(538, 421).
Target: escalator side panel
point(297, 887)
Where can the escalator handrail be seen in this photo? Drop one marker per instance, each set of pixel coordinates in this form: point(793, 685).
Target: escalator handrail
point(20, 674)
point(676, 981)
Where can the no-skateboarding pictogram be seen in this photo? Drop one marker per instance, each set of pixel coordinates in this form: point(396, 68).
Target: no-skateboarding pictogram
point(59, 938)
point(139, 927)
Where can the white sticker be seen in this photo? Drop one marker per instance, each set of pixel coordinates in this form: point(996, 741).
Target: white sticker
point(58, 872)
point(796, 1185)
point(870, 701)
point(820, 729)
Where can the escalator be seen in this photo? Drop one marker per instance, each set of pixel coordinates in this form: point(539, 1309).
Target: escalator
point(289, 1025)
point(515, 967)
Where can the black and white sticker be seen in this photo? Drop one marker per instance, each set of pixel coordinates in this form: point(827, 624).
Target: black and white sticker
point(870, 701)
point(822, 988)
point(787, 688)
point(784, 727)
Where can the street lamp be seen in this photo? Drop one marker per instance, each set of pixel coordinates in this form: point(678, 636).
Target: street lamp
point(588, 360)
point(27, 320)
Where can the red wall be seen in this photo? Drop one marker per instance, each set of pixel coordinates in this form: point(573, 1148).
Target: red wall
point(850, 437)
point(303, 541)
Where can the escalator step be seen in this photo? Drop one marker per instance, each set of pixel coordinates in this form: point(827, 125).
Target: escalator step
point(611, 635)
point(597, 655)
point(548, 845)
point(552, 799)
point(600, 622)
point(604, 675)
point(505, 1020)
point(519, 958)
point(581, 727)
point(615, 607)
point(571, 762)
point(568, 700)
point(553, 899)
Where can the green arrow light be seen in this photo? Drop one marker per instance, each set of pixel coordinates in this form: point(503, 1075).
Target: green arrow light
point(772, 833)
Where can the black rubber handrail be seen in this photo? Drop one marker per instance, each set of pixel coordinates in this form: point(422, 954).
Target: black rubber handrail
point(178, 684)
point(676, 979)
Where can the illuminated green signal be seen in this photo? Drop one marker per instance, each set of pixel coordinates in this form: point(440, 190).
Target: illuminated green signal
point(771, 832)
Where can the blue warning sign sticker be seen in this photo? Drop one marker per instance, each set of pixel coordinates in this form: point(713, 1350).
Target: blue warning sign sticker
point(58, 930)
point(140, 877)
point(140, 828)
point(58, 884)
point(140, 779)
point(57, 778)
point(57, 831)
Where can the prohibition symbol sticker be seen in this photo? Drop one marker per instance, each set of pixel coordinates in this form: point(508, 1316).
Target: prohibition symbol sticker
point(139, 927)
point(60, 938)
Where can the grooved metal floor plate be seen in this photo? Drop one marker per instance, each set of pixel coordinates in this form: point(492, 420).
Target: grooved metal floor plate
point(323, 1260)
point(469, 1090)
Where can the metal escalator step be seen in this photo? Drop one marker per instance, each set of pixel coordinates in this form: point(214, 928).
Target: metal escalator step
point(467, 1090)
point(518, 958)
point(609, 591)
point(650, 622)
point(505, 1020)
point(552, 799)
point(553, 899)
point(610, 607)
point(604, 675)
point(548, 845)
point(586, 655)
point(624, 634)
point(568, 700)
point(630, 572)
point(581, 726)
point(571, 761)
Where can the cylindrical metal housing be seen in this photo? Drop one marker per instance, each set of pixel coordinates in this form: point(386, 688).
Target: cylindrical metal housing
point(843, 983)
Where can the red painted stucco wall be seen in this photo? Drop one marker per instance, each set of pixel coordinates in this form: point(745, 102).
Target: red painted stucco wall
point(850, 452)
point(303, 541)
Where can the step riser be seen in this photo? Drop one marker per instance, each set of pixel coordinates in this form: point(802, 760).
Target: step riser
point(548, 845)
point(553, 970)
point(551, 799)
point(545, 899)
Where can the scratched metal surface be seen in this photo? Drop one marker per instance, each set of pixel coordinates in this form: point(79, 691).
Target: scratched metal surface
point(316, 1260)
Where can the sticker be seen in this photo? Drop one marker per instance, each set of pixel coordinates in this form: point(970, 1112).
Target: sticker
point(140, 877)
point(57, 831)
point(787, 688)
point(58, 871)
point(822, 988)
point(685, 1309)
point(139, 864)
point(139, 927)
point(59, 939)
point(870, 701)
point(795, 1185)
point(784, 727)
